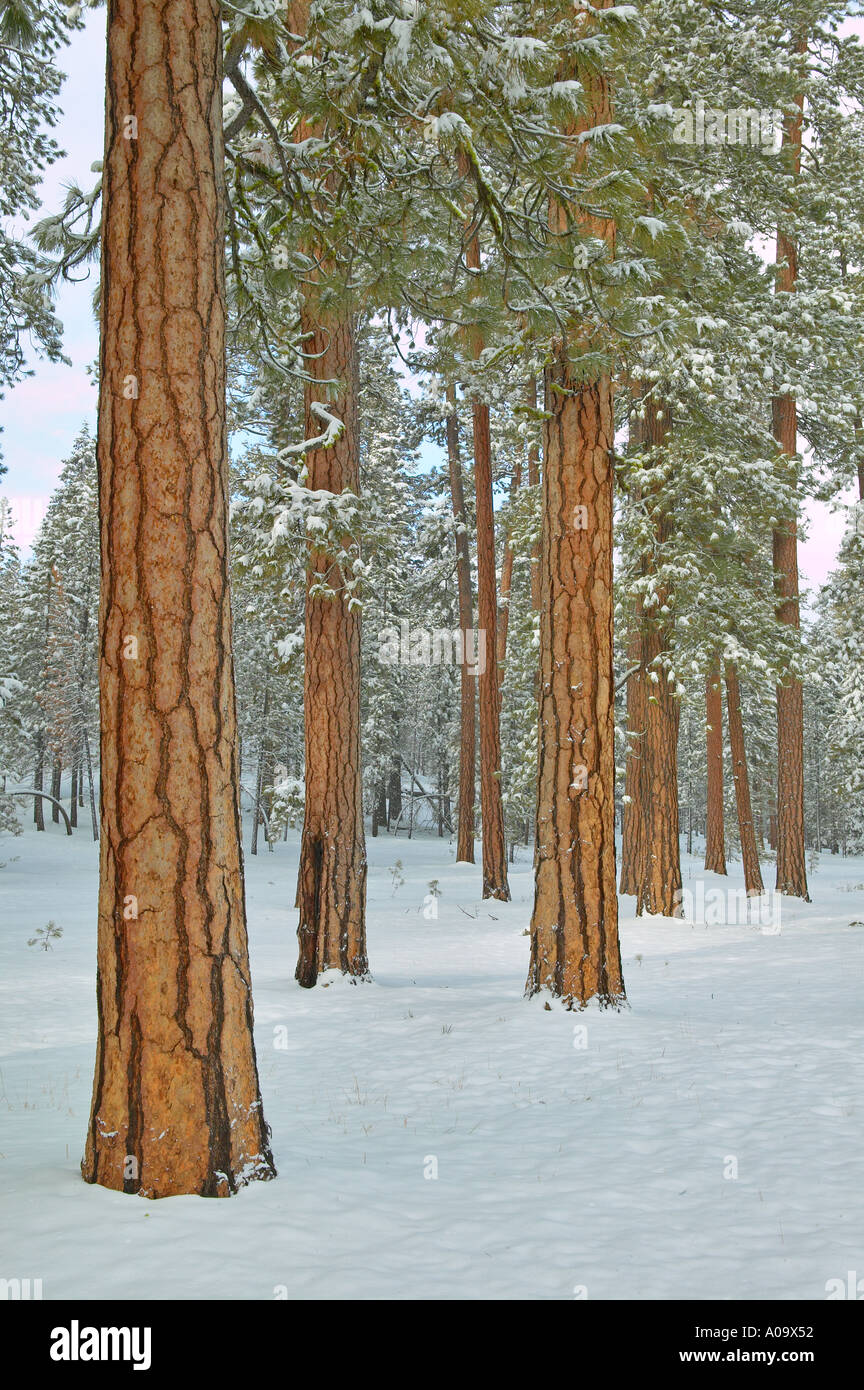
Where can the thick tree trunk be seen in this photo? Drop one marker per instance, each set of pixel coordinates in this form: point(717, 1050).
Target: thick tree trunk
point(467, 692)
point(176, 1102)
point(746, 831)
point(791, 864)
point(332, 878)
point(574, 926)
point(715, 848)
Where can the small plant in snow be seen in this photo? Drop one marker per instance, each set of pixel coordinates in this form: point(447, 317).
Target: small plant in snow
point(45, 935)
point(397, 875)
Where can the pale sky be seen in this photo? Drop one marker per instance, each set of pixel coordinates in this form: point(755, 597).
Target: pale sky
point(42, 415)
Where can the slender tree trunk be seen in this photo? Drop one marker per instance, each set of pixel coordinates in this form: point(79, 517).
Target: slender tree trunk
point(38, 803)
point(259, 773)
point(746, 831)
point(659, 865)
point(495, 883)
point(660, 854)
point(73, 794)
point(634, 810)
point(715, 848)
point(176, 1101)
point(507, 576)
point(467, 693)
point(534, 481)
point(94, 819)
point(332, 877)
point(394, 792)
point(56, 777)
point(791, 864)
point(633, 820)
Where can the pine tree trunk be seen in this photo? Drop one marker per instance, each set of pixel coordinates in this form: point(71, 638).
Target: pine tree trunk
point(332, 876)
point(791, 865)
point(94, 819)
point(73, 794)
point(575, 951)
point(534, 481)
point(467, 693)
point(574, 927)
point(746, 831)
point(659, 875)
point(507, 577)
point(632, 827)
point(38, 772)
point(176, 1101)
point(659, 864)
point(495, 883)
point(715, 848)
point(394, 793)
point(56, 777)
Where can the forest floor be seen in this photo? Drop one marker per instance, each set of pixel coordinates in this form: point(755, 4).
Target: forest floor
point(705, 1143)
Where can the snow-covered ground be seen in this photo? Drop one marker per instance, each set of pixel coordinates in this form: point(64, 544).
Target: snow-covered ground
point(576, 1155)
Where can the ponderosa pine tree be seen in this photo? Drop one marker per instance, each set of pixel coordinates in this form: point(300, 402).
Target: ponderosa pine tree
point(715, 846)
point(575, 952)
point(176, 1101)
point(467, 690)
point(791, 864)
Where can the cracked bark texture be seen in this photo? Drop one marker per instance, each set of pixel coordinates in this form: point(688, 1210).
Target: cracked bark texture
point(332, 878)
point(176, 1103)
point(574, 926)
point(575, 953)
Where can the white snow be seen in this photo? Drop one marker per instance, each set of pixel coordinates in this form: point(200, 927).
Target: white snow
point(572, 1150)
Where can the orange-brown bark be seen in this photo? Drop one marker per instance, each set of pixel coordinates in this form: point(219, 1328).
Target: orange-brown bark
point(575, 952)
point(659, 855)
point(507, 575)
point(495, 884)
point(746, 829)
point(634, 808)
point(715, 847)
point(791, 865)
point(331, 892)
point(176, 1103)
point(467, 694)
point(574, 926)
